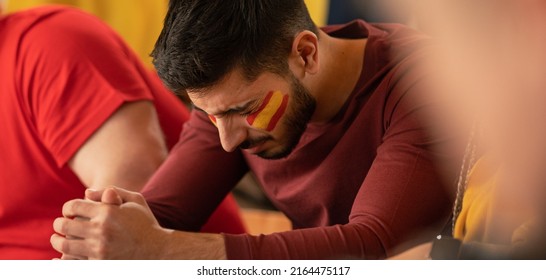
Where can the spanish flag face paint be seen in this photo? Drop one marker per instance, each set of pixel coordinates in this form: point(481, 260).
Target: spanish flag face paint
point(213, 120)
point(270, 112)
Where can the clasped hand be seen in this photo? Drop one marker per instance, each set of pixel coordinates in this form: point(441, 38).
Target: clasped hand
point(109, 224)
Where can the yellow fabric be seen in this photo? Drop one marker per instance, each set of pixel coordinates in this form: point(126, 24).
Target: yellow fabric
point(318, 10)
point(472, 222)
point(140, 21)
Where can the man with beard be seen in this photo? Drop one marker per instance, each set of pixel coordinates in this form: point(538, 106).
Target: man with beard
point(330, 121)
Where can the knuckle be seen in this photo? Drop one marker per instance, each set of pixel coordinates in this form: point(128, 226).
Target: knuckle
point(133, 196)
point(71, 207)
point(98, 224)
point(56, 225)
point(64, 226)
point(65, 246)
point(141, 198)
point(102, 227)
point(53, 241)
point(67, 208)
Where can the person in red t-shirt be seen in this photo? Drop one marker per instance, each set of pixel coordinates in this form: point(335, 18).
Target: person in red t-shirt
point(77, 110)
point(333, 122)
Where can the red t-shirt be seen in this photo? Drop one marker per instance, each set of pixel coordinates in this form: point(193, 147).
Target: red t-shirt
point(355, 187)
point(63, 73)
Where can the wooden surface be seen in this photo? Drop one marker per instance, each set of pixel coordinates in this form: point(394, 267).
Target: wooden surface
point(265, 222)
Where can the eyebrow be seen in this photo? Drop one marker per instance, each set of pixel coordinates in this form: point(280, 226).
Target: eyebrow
point(233, 110)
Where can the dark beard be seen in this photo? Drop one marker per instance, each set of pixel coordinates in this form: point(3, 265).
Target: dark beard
point(295, 121)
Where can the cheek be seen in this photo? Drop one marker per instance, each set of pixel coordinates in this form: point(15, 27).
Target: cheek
point(270, 112)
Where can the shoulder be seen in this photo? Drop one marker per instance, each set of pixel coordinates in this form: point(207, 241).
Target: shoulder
point(404, 53)
point(398, 37)
point(66, 31)
point(406, 83)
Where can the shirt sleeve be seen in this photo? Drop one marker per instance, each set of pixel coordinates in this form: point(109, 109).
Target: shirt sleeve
point(195, 178)
point(75, 73)
point(401, 192)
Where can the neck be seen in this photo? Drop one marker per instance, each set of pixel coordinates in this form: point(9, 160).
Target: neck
point(341, 62)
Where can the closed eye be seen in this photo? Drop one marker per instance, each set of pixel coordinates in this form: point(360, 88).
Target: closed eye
point(244, 110)
point(250, 110)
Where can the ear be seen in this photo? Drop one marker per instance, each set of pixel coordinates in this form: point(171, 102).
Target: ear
point(304, 58)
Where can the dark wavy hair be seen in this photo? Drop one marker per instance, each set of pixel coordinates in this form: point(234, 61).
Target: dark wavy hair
point(203, 40)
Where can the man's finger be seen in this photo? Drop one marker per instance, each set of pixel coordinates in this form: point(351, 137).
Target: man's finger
point(93, 194)
point(72, 228)
point(81, 208)
point(110, 196)
point(74, 247)
point(128, 196)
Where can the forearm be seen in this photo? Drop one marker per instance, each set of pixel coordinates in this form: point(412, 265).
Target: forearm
point(194, 179)
point(179, 245)
point(352, 241)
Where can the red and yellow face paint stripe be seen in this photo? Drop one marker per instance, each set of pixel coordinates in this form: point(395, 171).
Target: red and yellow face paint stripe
point(213, 120)
point(270, 112)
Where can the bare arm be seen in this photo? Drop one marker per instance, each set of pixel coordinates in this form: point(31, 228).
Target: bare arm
point(181, 245)
point(125, 151)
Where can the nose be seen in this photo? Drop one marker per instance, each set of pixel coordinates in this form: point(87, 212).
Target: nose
point(232, 134)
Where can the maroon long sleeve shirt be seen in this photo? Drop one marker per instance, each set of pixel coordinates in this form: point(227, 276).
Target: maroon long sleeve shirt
point(353, 188)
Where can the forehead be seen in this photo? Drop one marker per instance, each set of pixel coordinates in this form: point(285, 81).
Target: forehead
point(235, 90)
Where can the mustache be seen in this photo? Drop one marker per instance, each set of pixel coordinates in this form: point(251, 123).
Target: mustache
point(250, 143)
